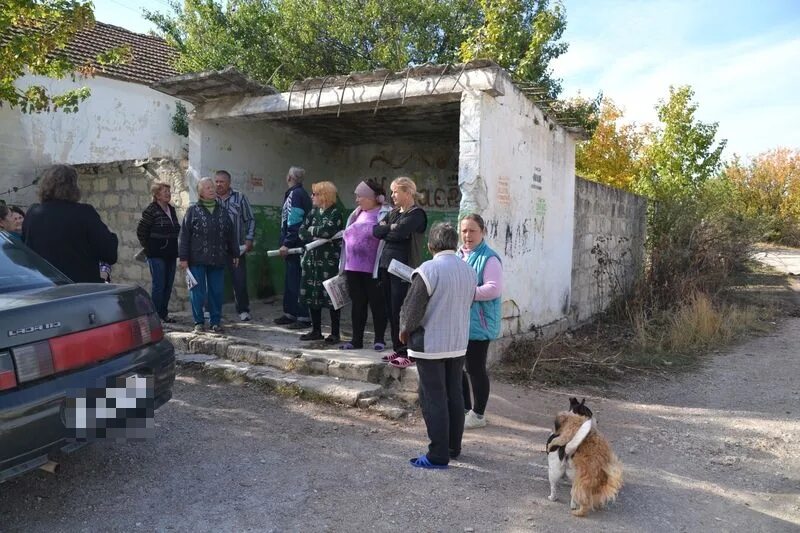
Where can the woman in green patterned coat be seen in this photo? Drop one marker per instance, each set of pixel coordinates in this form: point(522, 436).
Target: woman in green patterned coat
point(321, 263)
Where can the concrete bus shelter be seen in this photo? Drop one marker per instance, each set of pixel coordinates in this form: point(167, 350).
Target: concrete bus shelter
point(469, 137)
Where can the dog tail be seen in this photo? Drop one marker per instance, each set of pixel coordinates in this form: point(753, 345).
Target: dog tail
point(608, 491)
point(596, 484)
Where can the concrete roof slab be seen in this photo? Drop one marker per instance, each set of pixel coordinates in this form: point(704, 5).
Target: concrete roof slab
point(210, 85)
point(314, 97)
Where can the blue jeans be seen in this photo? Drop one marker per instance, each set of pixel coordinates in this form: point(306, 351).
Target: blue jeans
point(292, 307)
point(162, 271)
point(210, 282)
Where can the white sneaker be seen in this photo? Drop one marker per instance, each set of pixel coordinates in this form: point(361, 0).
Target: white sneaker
point(244, 317)
point(472, 420)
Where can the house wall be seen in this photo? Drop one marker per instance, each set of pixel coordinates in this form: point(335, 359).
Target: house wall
point(120, 121)
point(608, 255)
point(259, 153)
point(517, 171)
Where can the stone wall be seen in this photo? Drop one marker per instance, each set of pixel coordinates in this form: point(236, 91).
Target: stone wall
point(120, 191)
point(608, 247)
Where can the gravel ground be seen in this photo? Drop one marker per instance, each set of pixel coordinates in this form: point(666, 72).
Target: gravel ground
point(716, 450)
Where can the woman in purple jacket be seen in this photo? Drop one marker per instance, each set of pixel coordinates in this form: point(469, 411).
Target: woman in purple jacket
point(359, 261)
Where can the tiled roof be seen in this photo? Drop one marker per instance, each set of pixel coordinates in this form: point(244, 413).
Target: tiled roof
point(151, 61)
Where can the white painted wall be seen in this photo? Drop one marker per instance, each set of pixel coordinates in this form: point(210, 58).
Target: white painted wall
point(119, 121)
point(520, 176)
point(256, 153)
point(259, 153)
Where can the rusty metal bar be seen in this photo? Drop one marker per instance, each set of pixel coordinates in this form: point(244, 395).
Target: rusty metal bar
point(339, 110)
point(289, 105)
point(381, 93)
point(447, 66)
point(459, 76)
point(305, 92)
point(319, 95)
point(405, 88)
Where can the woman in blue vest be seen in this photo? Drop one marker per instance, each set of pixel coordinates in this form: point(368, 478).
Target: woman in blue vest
point(485, 316)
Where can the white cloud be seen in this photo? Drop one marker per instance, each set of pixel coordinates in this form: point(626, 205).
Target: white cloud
point(749, 86)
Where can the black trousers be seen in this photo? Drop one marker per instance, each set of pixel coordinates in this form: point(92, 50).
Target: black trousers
point(316, 320)
point(239, 282)
point(442, 405)
point(475, 374)
point(394, 293)
point(366, 293)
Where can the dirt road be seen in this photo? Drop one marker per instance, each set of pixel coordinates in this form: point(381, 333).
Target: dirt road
point(717, 450)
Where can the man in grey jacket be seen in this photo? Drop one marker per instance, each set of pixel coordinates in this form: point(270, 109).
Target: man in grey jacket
point(244, 224)
point(434, 323)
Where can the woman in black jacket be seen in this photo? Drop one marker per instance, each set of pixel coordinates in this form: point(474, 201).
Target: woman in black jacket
point(158, 234)
point(402, 232)
point(68, 234)
point(206, 243)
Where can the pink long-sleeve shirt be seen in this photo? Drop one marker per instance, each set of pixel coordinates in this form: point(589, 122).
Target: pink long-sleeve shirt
point(492, 279)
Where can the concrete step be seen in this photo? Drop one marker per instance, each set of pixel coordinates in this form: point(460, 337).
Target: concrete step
point(351, 365)
point(314, 387)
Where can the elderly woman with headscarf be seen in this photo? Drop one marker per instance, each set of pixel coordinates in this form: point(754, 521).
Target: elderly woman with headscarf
point(158, 232)
point(359, 262)
point(207, 241)
point(68, 234)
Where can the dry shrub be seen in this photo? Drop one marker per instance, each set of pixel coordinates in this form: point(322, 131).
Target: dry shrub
point(603, 351)
point(698, 323)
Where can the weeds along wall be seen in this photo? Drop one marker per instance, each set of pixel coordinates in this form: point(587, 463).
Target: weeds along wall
point(258, 154)
point(610, 226)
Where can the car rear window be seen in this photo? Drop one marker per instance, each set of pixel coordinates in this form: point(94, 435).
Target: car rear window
point(21, 268)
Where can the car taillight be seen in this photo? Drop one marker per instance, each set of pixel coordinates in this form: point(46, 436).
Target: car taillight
point(33, 361)
point(7, 378)
point(80, 349)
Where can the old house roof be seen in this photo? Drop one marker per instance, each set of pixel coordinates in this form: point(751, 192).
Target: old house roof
point(151, 56)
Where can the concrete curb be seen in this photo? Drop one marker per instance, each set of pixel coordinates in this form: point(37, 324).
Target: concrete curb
point(401, 384)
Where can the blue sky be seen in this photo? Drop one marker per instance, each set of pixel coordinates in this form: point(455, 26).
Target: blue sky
point(742, 58)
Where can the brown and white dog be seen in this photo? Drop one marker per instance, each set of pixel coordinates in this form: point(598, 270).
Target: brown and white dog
point(578, 450)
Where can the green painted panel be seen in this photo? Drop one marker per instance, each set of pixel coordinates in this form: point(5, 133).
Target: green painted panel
point(439, 216)
point(265, 274)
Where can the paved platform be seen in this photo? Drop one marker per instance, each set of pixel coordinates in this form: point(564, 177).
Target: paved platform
point(271, 355)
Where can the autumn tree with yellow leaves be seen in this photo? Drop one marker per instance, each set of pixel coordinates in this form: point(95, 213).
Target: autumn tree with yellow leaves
point(613, 156)
point(769, 193)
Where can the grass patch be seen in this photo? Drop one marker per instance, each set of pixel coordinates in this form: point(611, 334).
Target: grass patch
point(660, 343)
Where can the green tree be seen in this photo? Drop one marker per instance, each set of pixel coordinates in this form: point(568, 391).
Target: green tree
point(681, 152)
point(522, 36)
point(33, 35)
point(278, 41)
point(34, 32)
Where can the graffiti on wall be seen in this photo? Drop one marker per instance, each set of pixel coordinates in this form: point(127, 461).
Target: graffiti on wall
point(519, 237)
point(433, 193)
point(434, 172)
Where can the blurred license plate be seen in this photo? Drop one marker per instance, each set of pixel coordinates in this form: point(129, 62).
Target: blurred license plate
point(123, 409)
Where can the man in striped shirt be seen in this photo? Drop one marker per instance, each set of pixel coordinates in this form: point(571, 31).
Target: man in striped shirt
point(244, 224)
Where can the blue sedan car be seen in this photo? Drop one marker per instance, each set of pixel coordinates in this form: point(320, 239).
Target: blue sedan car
point(78, 361)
